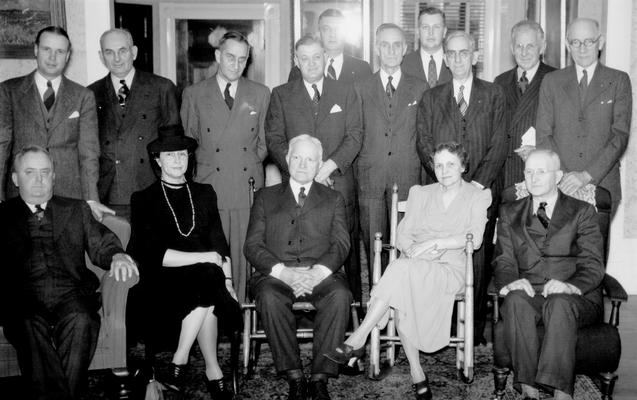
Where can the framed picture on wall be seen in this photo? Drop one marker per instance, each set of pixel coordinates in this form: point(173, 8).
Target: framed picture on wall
point(20, 21)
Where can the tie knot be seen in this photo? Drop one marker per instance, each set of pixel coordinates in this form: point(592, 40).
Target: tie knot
point(228, 86)
point(542, 205)
point(122, 82)
point(49, 84)
point(314, 86)
point(331, 61)
point(390, 78)
point(461, 88)
point(523, 77)
point(38, 208)
point(302, 191)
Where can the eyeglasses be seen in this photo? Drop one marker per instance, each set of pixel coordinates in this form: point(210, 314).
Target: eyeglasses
point(539, 172)
point(463, 54)
point(576, 43)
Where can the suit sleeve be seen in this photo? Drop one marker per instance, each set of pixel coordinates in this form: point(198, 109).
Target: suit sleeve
point(545, 120)
point(491, 164)
point(505, 264)
point(6, 135)
point(334, 257)
point(589, 268)
point(262, 148)
point(169, 104)
point(425, 137)
point(255, 249)
point(217, 238)
point(89, 147)
point(608, 156)
point(275, 133)
point(189, 115)
point(349, 148)
point(101, 243)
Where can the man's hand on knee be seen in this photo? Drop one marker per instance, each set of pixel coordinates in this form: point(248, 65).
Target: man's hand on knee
point(123, 267)
point(520, 284)
point(556, 287)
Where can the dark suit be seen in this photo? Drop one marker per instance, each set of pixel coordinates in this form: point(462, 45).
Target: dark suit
point(68, 131)
point(337, 125)
point(280, 231)
point(354, 69)
point(592, 138)
point(125, 132)
point(520, 112)
point(412, 65)
point(54, 360)
point(571, 251)
point(388, 155)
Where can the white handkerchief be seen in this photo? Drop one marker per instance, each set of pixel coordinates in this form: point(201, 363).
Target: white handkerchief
point(252, 112)
point(74, 114)
point(412, 104)
point(528, 139)
point(335, 108)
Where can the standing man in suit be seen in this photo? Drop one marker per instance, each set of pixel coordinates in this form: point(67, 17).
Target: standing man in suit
point(48, 296)
point(469, 111)
point(226, 115)
point(584, 114)
point(297, 241)
point(131, 106)
point(427, 63)
point(549, 265)
point(522, 87)
point(329, 111)
point(338, 66)
point(388, 155)
point(48, 109)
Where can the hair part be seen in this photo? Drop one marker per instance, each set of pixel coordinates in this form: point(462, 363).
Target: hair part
point(54, 29)
point(234, 35)
point(28, 150)
point(454, 148)
point(432, 11)
point(305, 138)
point(125, 32)
point(330, 12)
point(462, 34)
point(307, 40)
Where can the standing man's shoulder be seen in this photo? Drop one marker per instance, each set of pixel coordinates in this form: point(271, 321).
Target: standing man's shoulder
point(254, 86)
point(18, 82)
point(152, 80)
point(360, 67)
point(506, 77)
point(414, 82)
point(100, 85)
point(202, 88)
point(612, 74)
point(72, 86)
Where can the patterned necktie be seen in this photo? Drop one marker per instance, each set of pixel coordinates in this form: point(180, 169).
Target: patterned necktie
point(302, 197)
point(389, 89)
point(123, 93)
point(583, 86)
point(39, 212)
point(432, 74)
point(331, 72)
point(523, 83)
point(49, 96)
point(317, 96)
point(462, 104)
point(226, 96)
point(541, 215)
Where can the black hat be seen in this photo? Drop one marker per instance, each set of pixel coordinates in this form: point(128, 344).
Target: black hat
point(171, 138)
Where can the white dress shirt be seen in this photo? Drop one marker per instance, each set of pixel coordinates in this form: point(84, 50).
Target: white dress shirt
point(32, 206)
point(128, 79)
point(222, 86)
point(438, 59)
point(590, 70)
point(550, 204)
point(310, 89)
point(337, 64)
point(40, 83)
point(530, 73)
point(395, 78)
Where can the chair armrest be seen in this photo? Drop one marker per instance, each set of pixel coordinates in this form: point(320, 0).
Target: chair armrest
point(114, 296)
point(614, 289)
point(491, 289)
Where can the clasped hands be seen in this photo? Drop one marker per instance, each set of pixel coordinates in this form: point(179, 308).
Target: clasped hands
point(427, 250)
point(123, 267)
point(553, 286)
point(302, 280)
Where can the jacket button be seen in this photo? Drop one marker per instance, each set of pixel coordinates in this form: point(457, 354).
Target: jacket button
point(298, 260)
point(217, 150)
point(107, 142)
point(252, 129)
point(290, 243)
point(292, 222)
point(140, 138)
point(141, 160)
point(245, 169)
point(116, 161)
point(217, 168)
point(245, 149)
point(389, 154)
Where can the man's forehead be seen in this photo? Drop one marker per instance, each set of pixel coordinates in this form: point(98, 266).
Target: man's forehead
point(458, 43)
point(312, 48)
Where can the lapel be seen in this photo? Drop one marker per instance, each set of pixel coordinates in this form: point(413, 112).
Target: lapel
point(240, 97)
point(216, 102)
point(20, 214)
point(60, 213)
point(287, 201)
point(111, 98)
point(347, 71)
point(376, 91)
point(448, 102)
point(600, 82)
point(476, 101)
point(302, 101)
point(30, 100)
point(562, 214)
point(314, 198)
point(526, 211)
point(445, 74)
point(571, 88)
point(64, 103)
point(403, 94)
point(328, 99)
point(530, 97)
point(139, 91)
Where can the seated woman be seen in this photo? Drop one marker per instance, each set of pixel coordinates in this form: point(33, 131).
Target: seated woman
point(422, 284)
point(179, 243)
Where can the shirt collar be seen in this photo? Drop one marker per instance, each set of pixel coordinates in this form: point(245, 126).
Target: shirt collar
point(550, 204)
point(337, 64)
point(128, 79)
point(466, 92)
point(530, 73)
point(296, 188)
point(222, 85)
point(40, 82)
point(310, 89)
point(590, 70)
point(395, 77)
point(439, 57)
point(32, 206)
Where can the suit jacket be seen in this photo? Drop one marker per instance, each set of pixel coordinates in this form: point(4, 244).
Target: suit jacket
point(75, 232)
point(282, 232)
point(69, 132)
point(337, 126)
point(354, 69)
point(412, 65)
point(124, 133)
point(231, 142)
point(388, 154)
point(481, 131)
point(520, 111)
point(572, 251)
point(591, 139)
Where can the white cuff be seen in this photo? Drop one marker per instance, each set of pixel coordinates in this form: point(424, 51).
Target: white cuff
point(324, 270)
point(277, 270)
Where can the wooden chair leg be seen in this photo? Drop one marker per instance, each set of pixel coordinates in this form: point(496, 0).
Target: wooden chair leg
point(391, 345)
point(374, 354)
point(608, 380)
point(121, 388)
point(459, 335)
point(499, 382)
point(247, 327)
point(235, 344)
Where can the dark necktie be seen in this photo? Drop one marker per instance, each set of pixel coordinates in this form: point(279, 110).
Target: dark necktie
point(432, 73)
point(123, 93)
point(39, 212)
point(523, 83)
point(462, 104)
point(49, 96)
point(226, 96)
point(583, 86)
point(302, 197)
point(389, 89)
point(331, 72)
point(541, 215)
point(317, 96)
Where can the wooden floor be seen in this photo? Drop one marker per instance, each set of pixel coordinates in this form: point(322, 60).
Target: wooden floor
point(626, 387)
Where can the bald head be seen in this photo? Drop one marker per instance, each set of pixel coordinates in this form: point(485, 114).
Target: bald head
point(584, 41)
point(542, 173)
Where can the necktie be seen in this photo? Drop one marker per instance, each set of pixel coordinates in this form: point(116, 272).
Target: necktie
point(523, 83)
point(331, 72)
point(302, 197)
point(462, 104)
point(389, 89)
point(226, 96)
point(317, 96)
point(39, 212)
point(583, 86)
point(49, 96)
point(123, 93)
point(432, 73)
point(541, 215)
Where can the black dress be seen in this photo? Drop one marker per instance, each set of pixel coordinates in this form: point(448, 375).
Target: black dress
point(168, 294)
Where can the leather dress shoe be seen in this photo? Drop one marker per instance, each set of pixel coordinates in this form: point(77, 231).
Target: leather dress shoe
point(175, 377)
point(345, 354)
point(318, 390)
point(218, 390)
point(298, 388)
point(422, 390)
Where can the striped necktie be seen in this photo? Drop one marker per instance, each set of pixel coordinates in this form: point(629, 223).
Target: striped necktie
point(123, 93)
point(432, 73)
point(462, 104)
point(390, 89)
point(331, 72)
point(49, 96)
point(523, 83)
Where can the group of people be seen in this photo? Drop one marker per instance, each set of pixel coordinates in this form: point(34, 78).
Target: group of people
point(341, 136)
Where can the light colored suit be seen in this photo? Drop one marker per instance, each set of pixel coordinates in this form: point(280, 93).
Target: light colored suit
point(231, 151)
point(68, 131)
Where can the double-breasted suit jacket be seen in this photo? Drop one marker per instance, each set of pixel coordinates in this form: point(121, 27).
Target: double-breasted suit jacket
point(125, 131)
point(412, 65)
point(591, 138)
point(68, 131)
point(354, 69)
point(521, 112)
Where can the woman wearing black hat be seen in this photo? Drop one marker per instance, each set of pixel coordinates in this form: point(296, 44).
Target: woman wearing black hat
point(178, 240)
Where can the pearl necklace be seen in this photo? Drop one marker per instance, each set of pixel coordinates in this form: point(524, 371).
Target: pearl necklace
point(192, 207)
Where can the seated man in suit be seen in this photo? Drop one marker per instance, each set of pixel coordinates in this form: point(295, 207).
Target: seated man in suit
point(48, 299)
point(549, 265)
point(297, 241)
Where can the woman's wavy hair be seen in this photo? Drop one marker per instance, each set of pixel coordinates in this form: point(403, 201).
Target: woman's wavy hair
point(453, 148)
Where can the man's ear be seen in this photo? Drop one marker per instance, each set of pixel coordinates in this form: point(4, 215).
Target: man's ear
point(558, 175)
point(602, 42)
point(218, 56)
point(134, 51)
point(296, 61)
point(474, 57)
point(14, 178)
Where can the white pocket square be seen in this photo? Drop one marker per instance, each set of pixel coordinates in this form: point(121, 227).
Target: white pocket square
point(253, 112)
point(74, 114)
point(335, 108)
point(412, 104)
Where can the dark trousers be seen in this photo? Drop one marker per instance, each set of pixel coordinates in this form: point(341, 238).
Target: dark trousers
point(55, 348)
point(551, 361)
point(274, 299)
point(374, 217)
point(352, 264)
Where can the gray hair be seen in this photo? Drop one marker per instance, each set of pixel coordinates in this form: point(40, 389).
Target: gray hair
point(305, 138)
point(553, 157)
point(307, 40)
point(454, 34)
point(529, 25)
point(26, 150)
point(389, 25)
point(125, 32)
point(576, 20)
